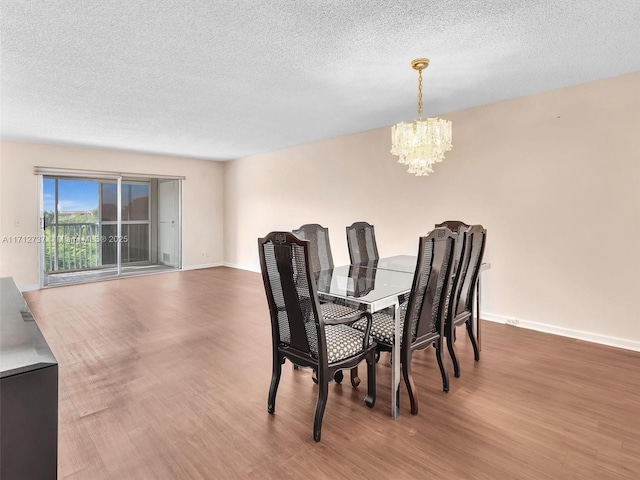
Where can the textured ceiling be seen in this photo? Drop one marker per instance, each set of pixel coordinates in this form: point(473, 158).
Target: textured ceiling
point(226, 79)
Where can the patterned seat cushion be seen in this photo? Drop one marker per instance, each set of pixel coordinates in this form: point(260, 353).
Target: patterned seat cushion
point(334, 310)
point(327, 310)
point(383, 326)
point(342, 342)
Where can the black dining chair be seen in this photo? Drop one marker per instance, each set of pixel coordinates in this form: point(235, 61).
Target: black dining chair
point(361, 240)
point(461, 309)
point(422, 321)
point(322, 260)
point(322, 264)
point(299, 331)
point(319, 245)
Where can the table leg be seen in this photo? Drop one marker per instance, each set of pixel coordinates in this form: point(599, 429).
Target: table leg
point(395, 367)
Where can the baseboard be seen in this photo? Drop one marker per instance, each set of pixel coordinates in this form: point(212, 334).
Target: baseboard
point(29, 288)
point(242, 267)
point(203, 265)
point(564, 332)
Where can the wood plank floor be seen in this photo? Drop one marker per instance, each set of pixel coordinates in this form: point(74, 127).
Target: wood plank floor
point(166, 377)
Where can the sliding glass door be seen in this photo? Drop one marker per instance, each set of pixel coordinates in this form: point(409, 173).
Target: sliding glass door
point(96, 228)
point(134, 239)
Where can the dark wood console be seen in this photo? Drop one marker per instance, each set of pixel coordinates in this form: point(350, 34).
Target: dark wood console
point(28, 393)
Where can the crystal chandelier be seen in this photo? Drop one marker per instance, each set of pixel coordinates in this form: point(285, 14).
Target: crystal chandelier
point(423, 142)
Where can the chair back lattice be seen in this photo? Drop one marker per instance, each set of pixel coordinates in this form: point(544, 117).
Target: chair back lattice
point(291, 293)
point(319, 246)
point(473, 239)
point(457, 227)
point(361, 239)
point(432, 279)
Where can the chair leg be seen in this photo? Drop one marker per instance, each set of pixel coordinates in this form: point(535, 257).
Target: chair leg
point(370, 399)
point(275, 381)
point(443, 372)
point(323, 391)
point(355, 379)
point(411, 386)
point(452, 353)
point(474, 343)
point(339, 376)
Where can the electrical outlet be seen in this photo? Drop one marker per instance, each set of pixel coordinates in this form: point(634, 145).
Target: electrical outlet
point(512, 321)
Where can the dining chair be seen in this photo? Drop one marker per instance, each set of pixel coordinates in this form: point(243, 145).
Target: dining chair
point(299, 331)
point(461, 310)
point(422, 321)
point(319, 246)
point(361, 240)
point(322, 260)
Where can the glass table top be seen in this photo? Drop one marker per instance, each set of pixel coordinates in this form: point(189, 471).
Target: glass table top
point(372, 287)
point(399, 263)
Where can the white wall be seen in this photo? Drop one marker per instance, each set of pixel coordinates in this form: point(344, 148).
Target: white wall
point(554, 177)
point(202, 196)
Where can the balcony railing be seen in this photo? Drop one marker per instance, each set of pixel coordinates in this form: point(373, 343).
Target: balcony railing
point(72, 246)
point(83, 246)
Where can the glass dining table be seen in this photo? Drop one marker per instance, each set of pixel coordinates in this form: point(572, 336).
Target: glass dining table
point(370, 288)
point(378, 285)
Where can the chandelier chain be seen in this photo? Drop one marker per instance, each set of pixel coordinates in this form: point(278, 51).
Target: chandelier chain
point(420, 94)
